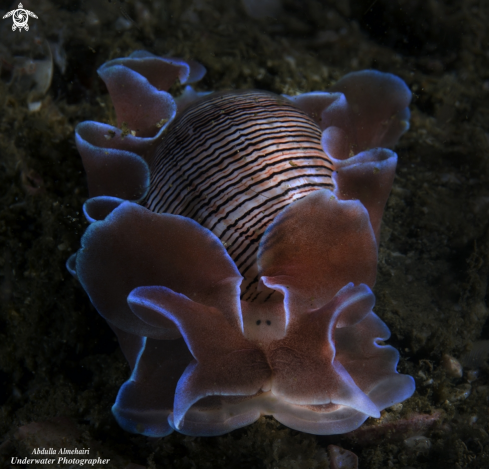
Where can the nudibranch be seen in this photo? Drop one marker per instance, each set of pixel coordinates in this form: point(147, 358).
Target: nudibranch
point(232, 248)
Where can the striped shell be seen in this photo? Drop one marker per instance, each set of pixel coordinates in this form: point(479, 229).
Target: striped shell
point(232, 162)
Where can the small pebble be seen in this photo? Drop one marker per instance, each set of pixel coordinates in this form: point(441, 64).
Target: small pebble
point(460, 393)
point(452, 366)
point(418, 443)
point(341, 458)
point(35, 106)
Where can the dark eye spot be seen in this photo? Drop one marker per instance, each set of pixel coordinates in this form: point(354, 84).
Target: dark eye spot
point(258, 322)
point(269, 322)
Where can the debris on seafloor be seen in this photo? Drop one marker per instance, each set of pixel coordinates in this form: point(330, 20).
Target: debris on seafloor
point(477, 356)
point(452, 366)
point(262, 8)
point(32, 182)
point(340, 458)
point(420, 444)
point(415, 425)
point(26, 66)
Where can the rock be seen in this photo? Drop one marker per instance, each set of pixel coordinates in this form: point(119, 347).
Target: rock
point(342, 458)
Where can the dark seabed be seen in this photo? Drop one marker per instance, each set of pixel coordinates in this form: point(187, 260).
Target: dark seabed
point(60, 364)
